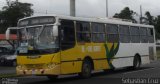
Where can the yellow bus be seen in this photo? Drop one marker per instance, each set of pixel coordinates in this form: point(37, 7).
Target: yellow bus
point(60, 45)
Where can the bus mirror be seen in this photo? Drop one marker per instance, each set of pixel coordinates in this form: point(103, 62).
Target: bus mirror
point(8, 34)
point(55, 31)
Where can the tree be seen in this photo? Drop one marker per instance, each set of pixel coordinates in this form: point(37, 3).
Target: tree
point(126, 13)
point(151, 20)
point(157, 27)
point(9, 15)
point(148, 19)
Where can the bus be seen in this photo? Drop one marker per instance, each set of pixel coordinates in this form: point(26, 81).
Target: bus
point(60, 45)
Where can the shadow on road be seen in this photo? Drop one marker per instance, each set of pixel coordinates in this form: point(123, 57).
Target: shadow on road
point(95, 76)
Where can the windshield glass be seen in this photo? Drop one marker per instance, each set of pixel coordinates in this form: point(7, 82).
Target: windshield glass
point(38, 38)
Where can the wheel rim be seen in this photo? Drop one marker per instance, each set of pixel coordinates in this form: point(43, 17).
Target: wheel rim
point(86, 70)
point(137, 63)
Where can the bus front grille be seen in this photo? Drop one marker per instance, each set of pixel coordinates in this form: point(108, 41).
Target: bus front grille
point(34, 66)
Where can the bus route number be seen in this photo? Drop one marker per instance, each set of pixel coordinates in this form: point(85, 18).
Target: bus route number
point(91, 49)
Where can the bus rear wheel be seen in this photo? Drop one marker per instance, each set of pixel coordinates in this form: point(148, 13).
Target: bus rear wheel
point(86, 69)
point(136, 62)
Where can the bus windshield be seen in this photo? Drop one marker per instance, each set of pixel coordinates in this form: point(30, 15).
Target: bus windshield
point(39, 38)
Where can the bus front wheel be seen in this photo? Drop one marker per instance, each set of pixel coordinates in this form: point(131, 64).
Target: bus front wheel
point(86, 69)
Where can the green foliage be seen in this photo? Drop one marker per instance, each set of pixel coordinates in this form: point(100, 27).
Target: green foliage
point(148, 19)
point(10, 15)
point(157, 26)
point(126, 13)
point(151, 20)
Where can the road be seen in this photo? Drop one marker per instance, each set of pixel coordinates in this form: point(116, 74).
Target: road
point(7, 70)
point(147, 74)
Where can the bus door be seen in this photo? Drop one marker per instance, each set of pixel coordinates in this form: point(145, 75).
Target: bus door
point(68, 56)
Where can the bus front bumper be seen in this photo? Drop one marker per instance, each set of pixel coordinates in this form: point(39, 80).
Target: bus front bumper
point(46, 71)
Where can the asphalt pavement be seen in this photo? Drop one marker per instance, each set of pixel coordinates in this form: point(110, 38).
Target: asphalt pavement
point(7, 70)
point(147, 74)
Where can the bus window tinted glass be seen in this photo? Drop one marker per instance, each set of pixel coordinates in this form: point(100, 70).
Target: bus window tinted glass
point(135, 35)
point(98, 33)
point(68, 34)
point(150, 35)
point(97, 37)
point(124, 34)
point(99, 28)
point(112, 29)
point(83, 27)
point(83, 32)
point(112, 33)
point(143, 35)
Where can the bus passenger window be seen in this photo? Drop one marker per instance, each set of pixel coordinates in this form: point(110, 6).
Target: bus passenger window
point(135, 34)
point(98, 32)
point(143, 35)
point(124, 34)
point(150, 35)
point(83, 32)
point(112, 33)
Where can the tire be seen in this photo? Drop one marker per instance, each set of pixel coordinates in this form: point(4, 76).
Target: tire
point(52, 77)
point(136, 62)
point(86, 69)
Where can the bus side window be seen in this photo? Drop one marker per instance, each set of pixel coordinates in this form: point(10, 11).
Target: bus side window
point(143, 34)
point(67, 34)
point(112, 33)
point(98, 32)
point(150, 35)
point(124, 34)
point(135, 34)
point(83, 32)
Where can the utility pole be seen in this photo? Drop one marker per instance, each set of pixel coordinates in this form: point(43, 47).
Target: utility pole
point(106, 8)
point(72, 8)
point(46, 12)
point(140, 14)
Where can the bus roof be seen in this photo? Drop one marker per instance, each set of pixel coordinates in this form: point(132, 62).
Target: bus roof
point(98, 20)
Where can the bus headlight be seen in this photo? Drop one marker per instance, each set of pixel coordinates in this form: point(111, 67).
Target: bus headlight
point(20, 66)
point(51, 65)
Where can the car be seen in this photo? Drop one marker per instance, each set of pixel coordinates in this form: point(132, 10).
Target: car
point(3, 50)
point(8, 58)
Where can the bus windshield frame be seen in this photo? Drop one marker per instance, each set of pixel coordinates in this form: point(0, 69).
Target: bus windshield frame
point(37, 39)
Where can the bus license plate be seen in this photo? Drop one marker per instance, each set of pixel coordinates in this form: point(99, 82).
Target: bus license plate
point(33, 72)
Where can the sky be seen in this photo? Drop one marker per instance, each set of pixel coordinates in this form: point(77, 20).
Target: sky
point(91, 8)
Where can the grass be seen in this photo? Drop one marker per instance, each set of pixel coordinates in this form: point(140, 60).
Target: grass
point(158, 52)
point(7, 75)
